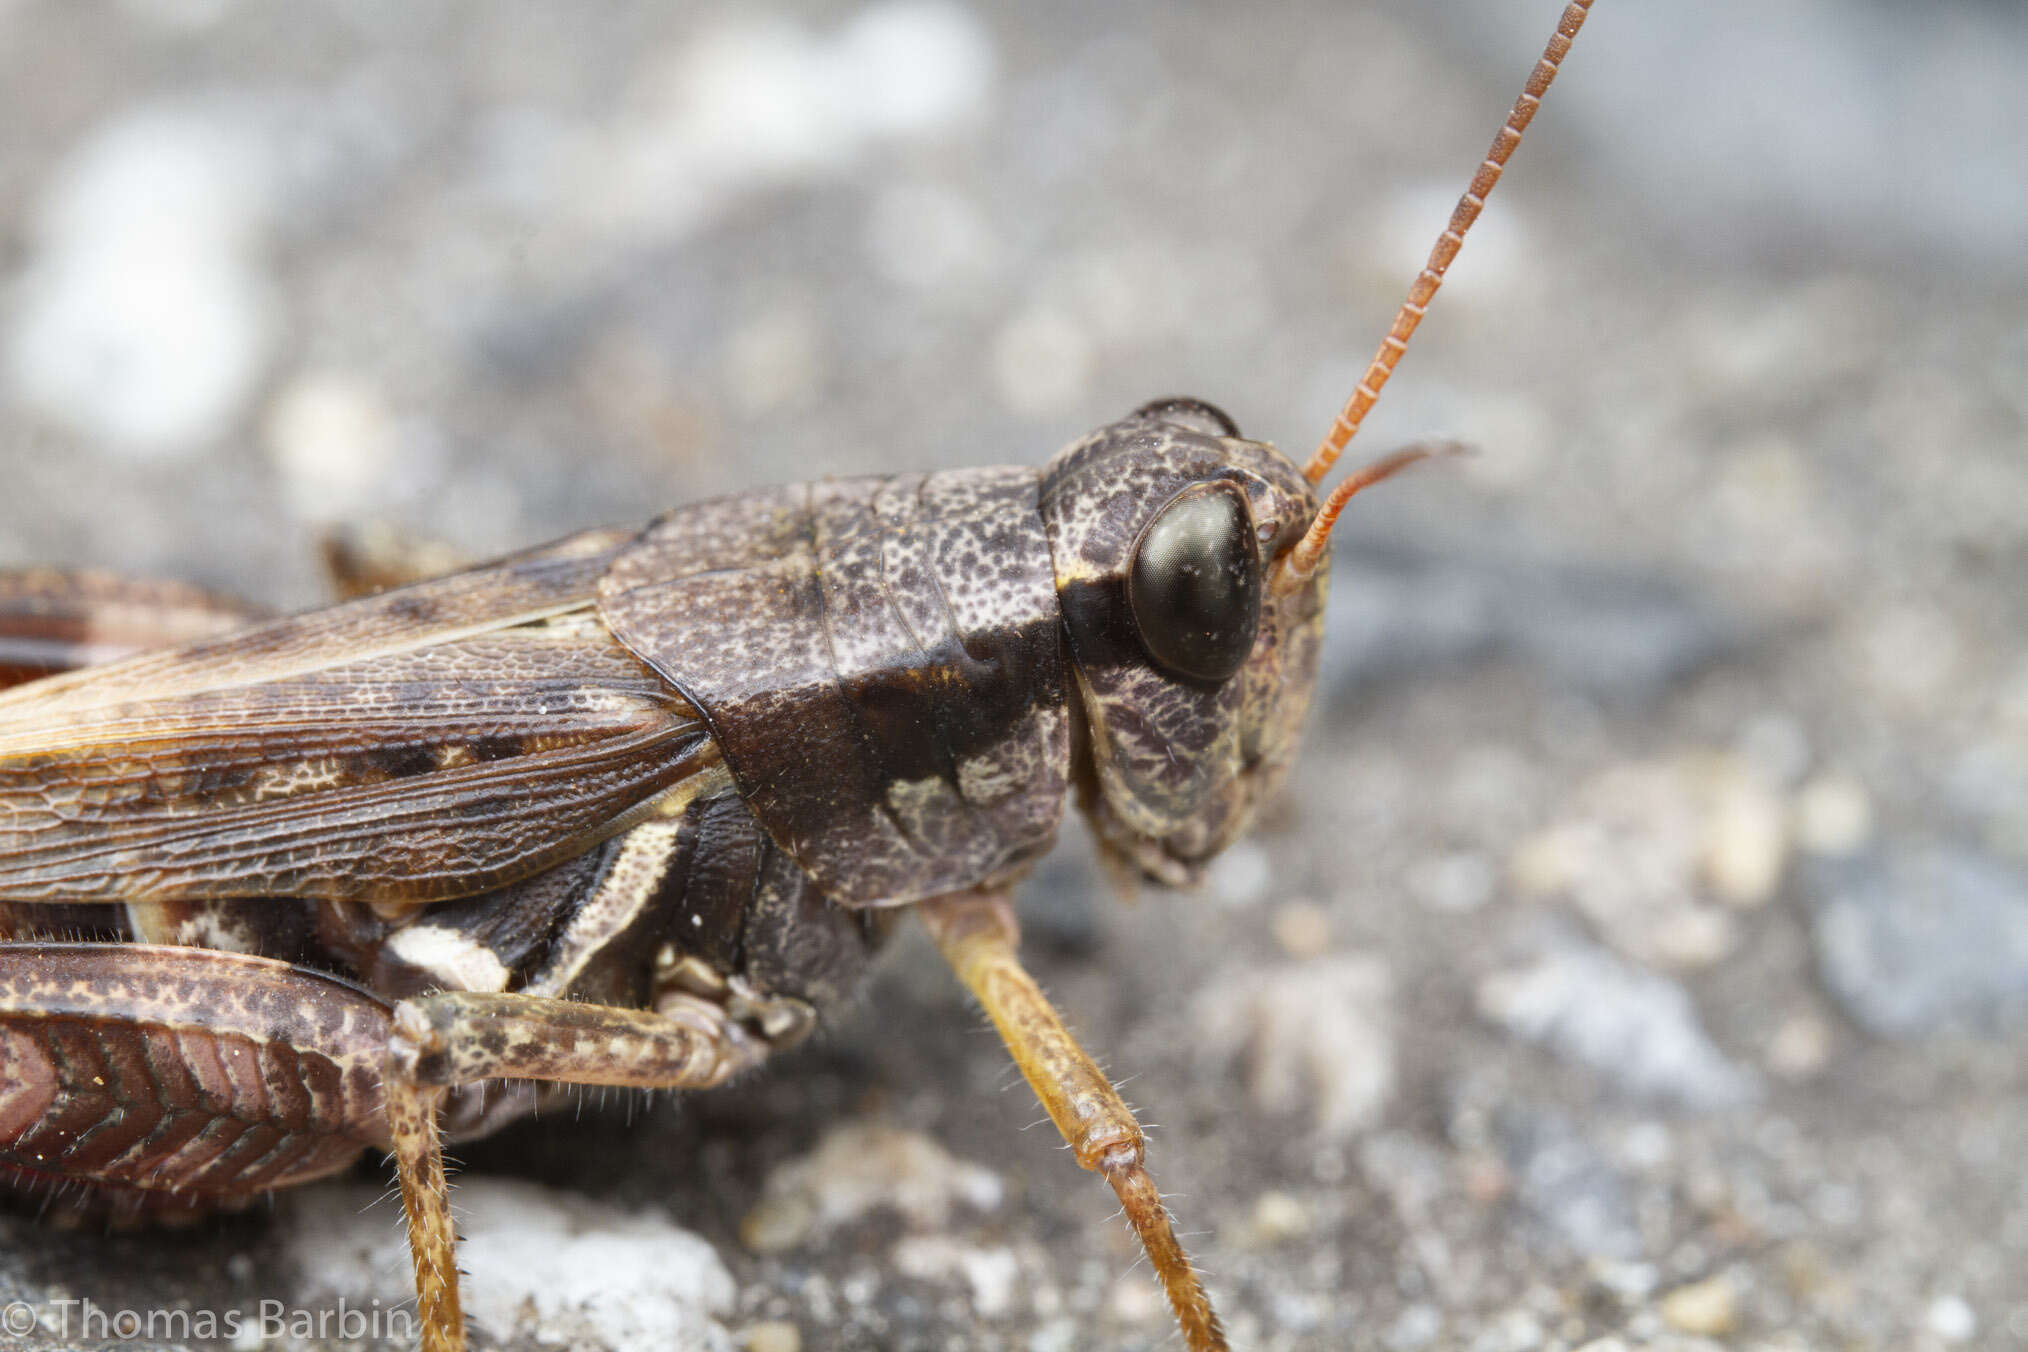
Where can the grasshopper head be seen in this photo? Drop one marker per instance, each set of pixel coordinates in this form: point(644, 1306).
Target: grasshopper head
point(1193, 673)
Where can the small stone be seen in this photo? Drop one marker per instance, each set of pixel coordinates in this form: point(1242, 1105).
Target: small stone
point(1911, 940)
point(1241, 875)
point(1631, 855)
point(1057, 1335)
point(776, 1225)
point(772, 1335)
point(1745, 841)
point(1455, 883)
point(1303, 929)
point(1709, 1308)
point(1800, 1047)
point(1833, 815)
point(1514, 1331)
point(914, 67)
point(1135, 1299)
point(1647, 1146)
point(992, 1274)
point(1911, 654)
point(856, 1169)
point(1776, 747)
point(1636, 1026)
point(1811, 1278)
point(144, 317)
point(1277, 1217)
point(1486, 1179)
point(1951, 1319)
point(1625, 1280)
point(1316, 1034)
point(1414, 1328)
point(545, 1266)
point(1566, 1185)
point(333, 441)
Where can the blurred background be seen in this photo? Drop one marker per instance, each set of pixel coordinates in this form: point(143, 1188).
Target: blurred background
point(1640, 958)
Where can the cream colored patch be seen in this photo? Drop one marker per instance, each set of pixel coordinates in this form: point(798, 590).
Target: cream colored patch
point(629, 885)
point(916, 803)
point(675, 800)
point(456, 960)
point(220, 926)
point(287, 779)
point(982, 780)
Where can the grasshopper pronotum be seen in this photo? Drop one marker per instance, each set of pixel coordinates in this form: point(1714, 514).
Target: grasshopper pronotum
point(634, 808)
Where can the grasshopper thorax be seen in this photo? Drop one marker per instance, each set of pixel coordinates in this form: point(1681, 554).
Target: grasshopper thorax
point(1192, 675)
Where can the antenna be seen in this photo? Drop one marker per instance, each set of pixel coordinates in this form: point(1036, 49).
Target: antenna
point(1304, 559)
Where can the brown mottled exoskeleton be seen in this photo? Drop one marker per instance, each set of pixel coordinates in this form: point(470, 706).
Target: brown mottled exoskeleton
point(631, 809)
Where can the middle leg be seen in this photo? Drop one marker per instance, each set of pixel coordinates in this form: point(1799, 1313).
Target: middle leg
point(442, 1041)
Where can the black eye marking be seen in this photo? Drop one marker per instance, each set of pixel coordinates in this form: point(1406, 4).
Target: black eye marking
point(1194, 587)
point(1194, 414)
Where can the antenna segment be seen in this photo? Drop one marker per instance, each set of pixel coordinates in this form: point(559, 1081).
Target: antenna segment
point(1432, 276)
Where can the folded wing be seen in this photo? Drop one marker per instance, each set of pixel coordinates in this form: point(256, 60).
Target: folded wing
point(425, 743)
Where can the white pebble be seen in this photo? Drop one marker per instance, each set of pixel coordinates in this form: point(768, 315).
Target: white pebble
point(1709, 1308)
point(1833, 815)
point(1746, 841)
point(992, 1274)
point(543, 1264)
point(772, 1335)
point(1316, 1035)
point(1800, 1047)
point(857, 1168)
point(333, 441)
point(1415, 1328)
point(143, 319)
point(1456, 883)
point(914, 65)
point(1631, 1024)
point(754, 102)
point(1278, 1216)
point(1952, 1319)
point(1242, 875)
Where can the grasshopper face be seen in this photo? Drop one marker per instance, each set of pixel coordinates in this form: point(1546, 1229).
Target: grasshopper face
point(1193, 675)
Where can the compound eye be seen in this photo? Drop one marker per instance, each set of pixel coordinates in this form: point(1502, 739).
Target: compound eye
point(1194, 587)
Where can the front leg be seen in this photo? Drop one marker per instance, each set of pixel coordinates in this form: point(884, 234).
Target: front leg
point(442, 1041)
point(979, 935)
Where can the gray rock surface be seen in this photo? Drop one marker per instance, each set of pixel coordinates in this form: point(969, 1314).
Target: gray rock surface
point(1412, 611)
point(1724, 616)
point(1912, 940)
point(1635, 1027)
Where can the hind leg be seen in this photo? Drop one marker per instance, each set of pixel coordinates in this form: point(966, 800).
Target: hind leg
point(144, 1083)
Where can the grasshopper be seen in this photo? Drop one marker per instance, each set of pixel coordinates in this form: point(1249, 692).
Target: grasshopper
point(634, 808)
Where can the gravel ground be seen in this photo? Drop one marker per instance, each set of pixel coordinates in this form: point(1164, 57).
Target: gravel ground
point(1639, 960)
